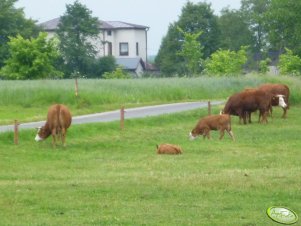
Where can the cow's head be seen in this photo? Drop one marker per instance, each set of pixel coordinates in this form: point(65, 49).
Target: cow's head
point(279, 101)
point(194, 134)
point(42, 134)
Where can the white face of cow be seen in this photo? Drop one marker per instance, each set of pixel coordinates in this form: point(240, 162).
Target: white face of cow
point(281, 101)
point(191, 137)
point(38, 138)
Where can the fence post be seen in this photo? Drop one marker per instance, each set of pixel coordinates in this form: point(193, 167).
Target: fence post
point(209, 108)
point(122, 118)
point(16, 132)
point(76, 87)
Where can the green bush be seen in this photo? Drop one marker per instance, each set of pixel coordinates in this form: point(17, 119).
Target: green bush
point(31, 58)
point(117, 74)
point(226, 62)
point(289, 63)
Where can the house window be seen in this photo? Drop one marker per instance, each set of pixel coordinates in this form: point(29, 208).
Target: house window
point(109, 48)
point(137, 49)
point(109, 32)
point(123, 49)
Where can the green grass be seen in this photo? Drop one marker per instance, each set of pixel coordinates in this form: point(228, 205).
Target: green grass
point(108, 177)
point(29, 100)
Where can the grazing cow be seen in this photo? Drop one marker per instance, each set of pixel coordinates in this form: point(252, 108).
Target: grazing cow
point(278, 90)
point(250, 100)
point(212, 122)
point(58, 121)
point(169, 149)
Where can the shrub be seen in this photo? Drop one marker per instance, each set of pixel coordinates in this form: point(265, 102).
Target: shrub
point(289, 63)
point(226, 62)
point(119, 73)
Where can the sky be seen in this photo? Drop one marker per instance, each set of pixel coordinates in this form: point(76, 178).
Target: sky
point(156, 14)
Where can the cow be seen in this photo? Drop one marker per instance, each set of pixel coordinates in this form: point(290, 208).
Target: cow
point(250, 100)
point(169, 149)
point(220, 122)
point(277, 90)
point(58, 121)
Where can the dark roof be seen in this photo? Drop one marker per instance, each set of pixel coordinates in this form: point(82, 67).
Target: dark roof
point(130, 63)
point(52, 25)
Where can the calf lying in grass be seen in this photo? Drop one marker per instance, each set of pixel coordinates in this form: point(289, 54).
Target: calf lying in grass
point(169, 149)
point(212, 122)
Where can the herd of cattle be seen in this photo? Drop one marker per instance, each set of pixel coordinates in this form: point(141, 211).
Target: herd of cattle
point(240, 104)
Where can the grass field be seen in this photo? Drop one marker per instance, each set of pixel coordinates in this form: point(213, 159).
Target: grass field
point(29, 100)
point(108, 177)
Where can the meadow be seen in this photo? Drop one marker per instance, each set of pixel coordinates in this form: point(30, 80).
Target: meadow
point(29, 100)
point(110, 177)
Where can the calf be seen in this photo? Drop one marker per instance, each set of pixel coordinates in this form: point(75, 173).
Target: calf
point(58, 121)
point(169, 149)
point(220, 122)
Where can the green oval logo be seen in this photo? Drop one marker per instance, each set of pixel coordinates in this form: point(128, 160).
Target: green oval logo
point(282, 215)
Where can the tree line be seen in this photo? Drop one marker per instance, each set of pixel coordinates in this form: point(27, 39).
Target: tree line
point(260, 33)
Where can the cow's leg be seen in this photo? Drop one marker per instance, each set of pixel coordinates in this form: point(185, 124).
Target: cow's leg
point(63, 133)
point(207, 133)
point(229, 131)
point(222, 133)
point(284, 112)
point(53, 133)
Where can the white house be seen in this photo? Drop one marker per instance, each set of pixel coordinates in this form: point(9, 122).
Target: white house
point(125, 41)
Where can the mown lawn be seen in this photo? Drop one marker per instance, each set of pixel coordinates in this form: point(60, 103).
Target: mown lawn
point(108, 177)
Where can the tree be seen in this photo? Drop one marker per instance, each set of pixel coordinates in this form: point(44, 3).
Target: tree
point(254, 13)
point(289, 63)
point(226, 62)
point(12, 23)
point(194, 18)
point(77, 31)
point(102, 65)
point(284, 25)
point(234, 30)
point(31, 58)
point(191, 51)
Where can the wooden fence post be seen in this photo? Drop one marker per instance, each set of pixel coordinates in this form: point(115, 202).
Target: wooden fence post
point(122, 118)
point(209, 108)
point(16, 132)
point(76, 87)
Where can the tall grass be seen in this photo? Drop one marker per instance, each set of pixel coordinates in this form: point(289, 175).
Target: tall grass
point(28, 100)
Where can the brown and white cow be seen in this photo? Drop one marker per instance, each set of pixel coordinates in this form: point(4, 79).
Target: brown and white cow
point(278, 90)
point(220, 122)
point(250, 100)
point(58, 121)
point(171, 149)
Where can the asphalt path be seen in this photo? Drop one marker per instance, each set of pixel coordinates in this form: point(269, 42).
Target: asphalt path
point(138, 112)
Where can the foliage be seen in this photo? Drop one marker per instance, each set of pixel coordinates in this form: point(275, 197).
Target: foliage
point(226, 62)
point(254, 13)
point(289, 63)
point(191, 51)
point(264, 65)
point(13, 22)
point(103, 65)
point(284, 25)
point(193, 19)
point(77, 31)
point(234, 30)
point(119, 73)
point(31, 58)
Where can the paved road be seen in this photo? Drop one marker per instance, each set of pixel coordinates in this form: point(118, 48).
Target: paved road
point(139, 112)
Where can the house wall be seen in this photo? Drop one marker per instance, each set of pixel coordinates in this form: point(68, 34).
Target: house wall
point(130, 36)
